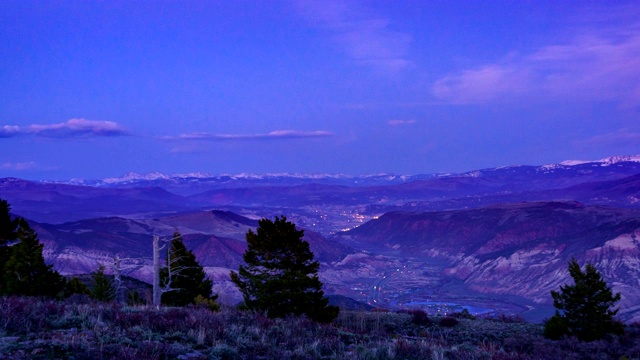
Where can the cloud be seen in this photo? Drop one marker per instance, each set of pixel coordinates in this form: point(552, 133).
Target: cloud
point(397, 122)
point(9, 131)
point(21, 166)
point(366, 38)
point(482, 85)
point(278, 134)
point(623, 137)
point(595, 67)
point(70, 128)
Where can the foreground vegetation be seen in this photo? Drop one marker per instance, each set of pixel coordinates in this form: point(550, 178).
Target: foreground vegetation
point(32, 328)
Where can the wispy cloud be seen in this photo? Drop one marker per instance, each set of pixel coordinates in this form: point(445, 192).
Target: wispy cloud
point(366, 38)
point(9, 131)
point(595, 67)
point(398, 122)
point(621, 137)
point(21, 166)
point(278, 134)
point(70, 128)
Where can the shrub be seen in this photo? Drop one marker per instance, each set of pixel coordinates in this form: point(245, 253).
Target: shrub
point(510, 319)
point(23, 315)
point(448, 321)
point(419, 317)
point(34, 328)
point(75, 287)
point(464, 314)
point(201, 301)
point(134, 298)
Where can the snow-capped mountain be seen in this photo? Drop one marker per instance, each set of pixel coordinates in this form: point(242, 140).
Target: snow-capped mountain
point(133, 177)
point(191, 183)
point(493, 232)
point(146, 194)
point(603, 162)
point(207, 181)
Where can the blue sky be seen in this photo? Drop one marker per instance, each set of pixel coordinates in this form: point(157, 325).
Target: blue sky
point(92, 89)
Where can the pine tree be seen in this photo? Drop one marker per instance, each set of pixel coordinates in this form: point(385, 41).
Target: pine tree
point(76, 286)
point(7, 225)
point(103, 288)
point(584, 309)
point(7, 236)
point(26, 272)
point(184, 279)
point(134, 298)
point(280, 275)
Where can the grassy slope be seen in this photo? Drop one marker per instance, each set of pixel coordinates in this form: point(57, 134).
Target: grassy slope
point(44, 329)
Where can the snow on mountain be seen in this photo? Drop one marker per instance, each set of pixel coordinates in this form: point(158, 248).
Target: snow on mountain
point(617, 159)
point(569, 163)
point(551, 166)
point(155, 176)
point(604, 162)
point(133, 177)
point(286, 175)
point(380, 178)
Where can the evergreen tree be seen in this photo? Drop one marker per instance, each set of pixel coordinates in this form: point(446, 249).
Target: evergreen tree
point(7, 225)
point(7, 236)
point(134, 298)
point(184, 278)
point(76, 286)
point(26, 272)
point(280, 275)
point(584, 309)
point(103, 288)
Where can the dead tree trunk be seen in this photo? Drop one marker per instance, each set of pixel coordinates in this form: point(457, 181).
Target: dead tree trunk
point(156, 272)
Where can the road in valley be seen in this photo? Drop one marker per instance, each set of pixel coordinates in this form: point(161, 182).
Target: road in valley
point(377, 288)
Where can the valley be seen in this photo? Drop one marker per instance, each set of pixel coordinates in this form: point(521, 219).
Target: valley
point(490, 241)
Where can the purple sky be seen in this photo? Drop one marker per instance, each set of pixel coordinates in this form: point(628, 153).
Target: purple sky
point(93, 89)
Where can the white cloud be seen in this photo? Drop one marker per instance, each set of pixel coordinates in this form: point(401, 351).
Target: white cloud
point(366, 38)
point(70, 128)
point(21, 166)
point(621, 137)
point(277, 134)
point(595, 67)
point(397, 122)
point(9, 131)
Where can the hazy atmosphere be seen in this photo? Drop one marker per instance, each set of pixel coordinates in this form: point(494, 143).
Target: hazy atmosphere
point(95, 89)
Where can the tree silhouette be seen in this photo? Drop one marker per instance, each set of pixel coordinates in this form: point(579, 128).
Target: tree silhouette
point(75, 286)
point(280, 275)
point(584, 309)
point(8, 235)
point(7, 225)
point(26, 272)
point(103, 288)
point(183, 278)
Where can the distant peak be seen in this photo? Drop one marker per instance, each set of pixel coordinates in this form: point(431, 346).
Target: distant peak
point(375, 178)
point(604, 162)
point(570, 163)
point(132, 176)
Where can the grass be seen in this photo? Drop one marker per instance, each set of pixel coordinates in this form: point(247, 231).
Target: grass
point(45, 329)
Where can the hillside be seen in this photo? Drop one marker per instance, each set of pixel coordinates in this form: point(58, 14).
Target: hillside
point(493, 240)
point(514, 249)
point(44, 330)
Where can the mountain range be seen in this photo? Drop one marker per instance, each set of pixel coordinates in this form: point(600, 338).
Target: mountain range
point(490, 240)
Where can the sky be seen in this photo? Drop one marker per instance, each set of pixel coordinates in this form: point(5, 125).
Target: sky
point(94, 89)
